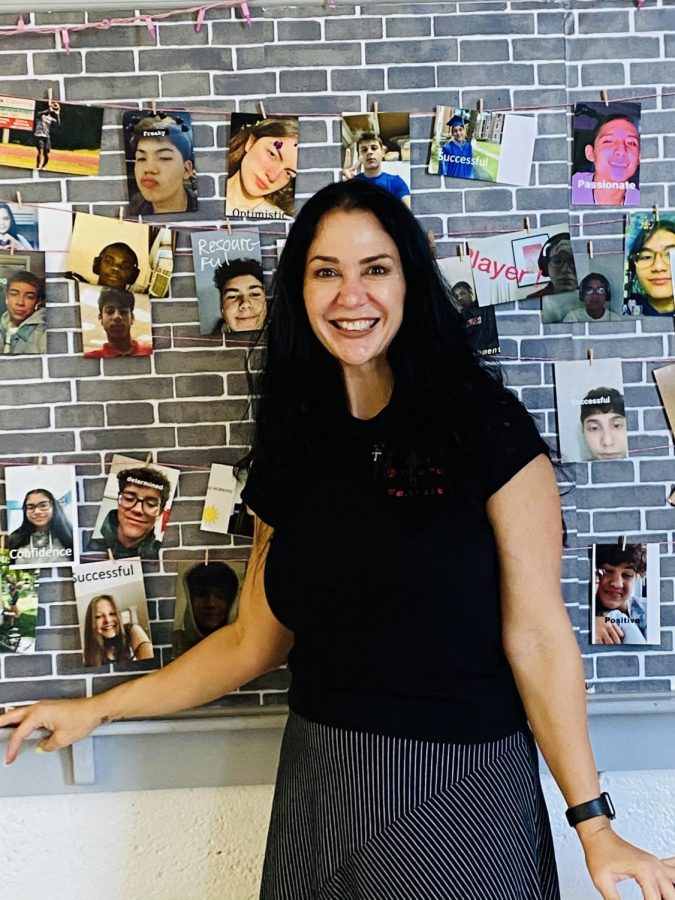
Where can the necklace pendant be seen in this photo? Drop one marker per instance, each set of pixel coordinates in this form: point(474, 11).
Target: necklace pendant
point(377, 452)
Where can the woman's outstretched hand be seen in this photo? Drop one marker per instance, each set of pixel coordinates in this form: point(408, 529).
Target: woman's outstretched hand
point(610, 859)
point(66, 720)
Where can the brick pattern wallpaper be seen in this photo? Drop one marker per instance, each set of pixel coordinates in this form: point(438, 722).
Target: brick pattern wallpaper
point(188, 404)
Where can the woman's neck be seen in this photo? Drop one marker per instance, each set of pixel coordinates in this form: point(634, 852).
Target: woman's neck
point(368, 389)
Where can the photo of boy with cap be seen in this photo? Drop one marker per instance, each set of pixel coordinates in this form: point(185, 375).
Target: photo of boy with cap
point(457, 154)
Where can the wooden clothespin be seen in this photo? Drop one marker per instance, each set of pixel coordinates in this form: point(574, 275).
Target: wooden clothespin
point(526, 222)
point(148, 459)
point(603, 97)
point(590, 249)
point(18, 198)
point(153, 107)
point(375, 106)
point(431, 238)
point(2, 542)
point(111, 555)
point(39, 462)
point(50, 94)
point(228, 225)
point(206, 556)
point(623, 543)
point(479, 105)
point(140, 219)
point(656, 213)
point(262, 109)
point(120, 214)
point(460, 250)
point(589, 353)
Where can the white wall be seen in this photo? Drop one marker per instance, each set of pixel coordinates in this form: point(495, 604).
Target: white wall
point(207, 844)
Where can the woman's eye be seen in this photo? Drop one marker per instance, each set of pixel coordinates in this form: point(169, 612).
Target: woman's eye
point(325, 272)
point(377, 270)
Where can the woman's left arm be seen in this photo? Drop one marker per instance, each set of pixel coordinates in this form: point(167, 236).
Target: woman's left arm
point(543, 653)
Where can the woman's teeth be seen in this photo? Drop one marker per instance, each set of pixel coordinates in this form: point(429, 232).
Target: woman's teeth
point(354, 324)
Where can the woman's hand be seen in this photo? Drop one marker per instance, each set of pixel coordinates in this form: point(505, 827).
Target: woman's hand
point(610, 859)
point(67, 720)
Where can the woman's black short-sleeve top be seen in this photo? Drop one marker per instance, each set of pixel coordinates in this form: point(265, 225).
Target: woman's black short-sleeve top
point(393, 599)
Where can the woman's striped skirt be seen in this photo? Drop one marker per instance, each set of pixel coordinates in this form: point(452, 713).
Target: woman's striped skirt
point(358, 816)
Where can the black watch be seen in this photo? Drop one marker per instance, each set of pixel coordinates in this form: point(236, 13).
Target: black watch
point(601, 806)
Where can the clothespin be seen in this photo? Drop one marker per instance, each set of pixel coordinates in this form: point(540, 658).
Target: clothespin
point(228, 225)
point(140, 219)
point(460, 249)
point(246, 12)
point(120, 214)
point(153, 107)
point(262, 109)
point(18, 198)
point(479, 105)
point(589, 353)
point(432, 242)
point(206, 556)
point(623, 543)
point(148, 459)
point(2, 542)
point(39, 462)
point(111, 555)
point(49, 94)
point(656, 213)
point(375, 106)
point(603, 97)
point(65, 39)
point(11, 249)
point(200, 19)
point(526, 222)
point(590, 249)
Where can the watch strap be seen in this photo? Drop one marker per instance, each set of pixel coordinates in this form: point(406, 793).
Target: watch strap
point(601, 806)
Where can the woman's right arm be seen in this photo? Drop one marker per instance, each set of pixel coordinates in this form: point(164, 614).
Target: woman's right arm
point(228, 658)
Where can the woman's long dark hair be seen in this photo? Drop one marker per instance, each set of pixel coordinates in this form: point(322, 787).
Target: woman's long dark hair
point(59, 527)
point(13, 229)
point(445, 397)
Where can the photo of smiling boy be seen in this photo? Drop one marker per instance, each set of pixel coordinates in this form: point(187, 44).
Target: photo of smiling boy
point(606, 155)
point(376, 149)
point(135, 509)
point(623, 610)
point(23, 324)
point(160, 162)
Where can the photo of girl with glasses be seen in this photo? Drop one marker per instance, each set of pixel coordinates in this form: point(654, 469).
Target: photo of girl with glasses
point(135, 510)
point(45, 537)
point(262, 166)
point(649, 282)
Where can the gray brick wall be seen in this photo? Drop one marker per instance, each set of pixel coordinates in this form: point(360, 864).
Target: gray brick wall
point(539, 57)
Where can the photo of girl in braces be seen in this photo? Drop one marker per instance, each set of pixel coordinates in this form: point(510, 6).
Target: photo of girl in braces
point(160, 162)
point(262, 167)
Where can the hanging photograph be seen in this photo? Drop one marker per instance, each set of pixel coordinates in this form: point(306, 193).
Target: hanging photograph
point(262, 166)
point(207, 598)
point(127, 256)
point(23, 317)
point(114, 323)
point(41, 516)
point(665, 382)
point(521, 265)
point(113, 612)
point(480, 322)
point(229, 280)
point(48, 134)
point(160, 160)
point(55, 228)
point(376, 149)
point(591, 410)
point(600, 294)
point(18, 227)
point(606, 154)
point(648, 285)
point(135, 509)
point(18, 607)
point(485, 146)
point(224, 512)
point(625, 594)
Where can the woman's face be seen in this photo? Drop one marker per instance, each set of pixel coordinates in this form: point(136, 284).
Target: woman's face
point(39, 510)
point(354, 287)
point(160, 172)
point(106, 621)
point(5, 220)
point(652, 265)
point(615, 585)
point(268, 164)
